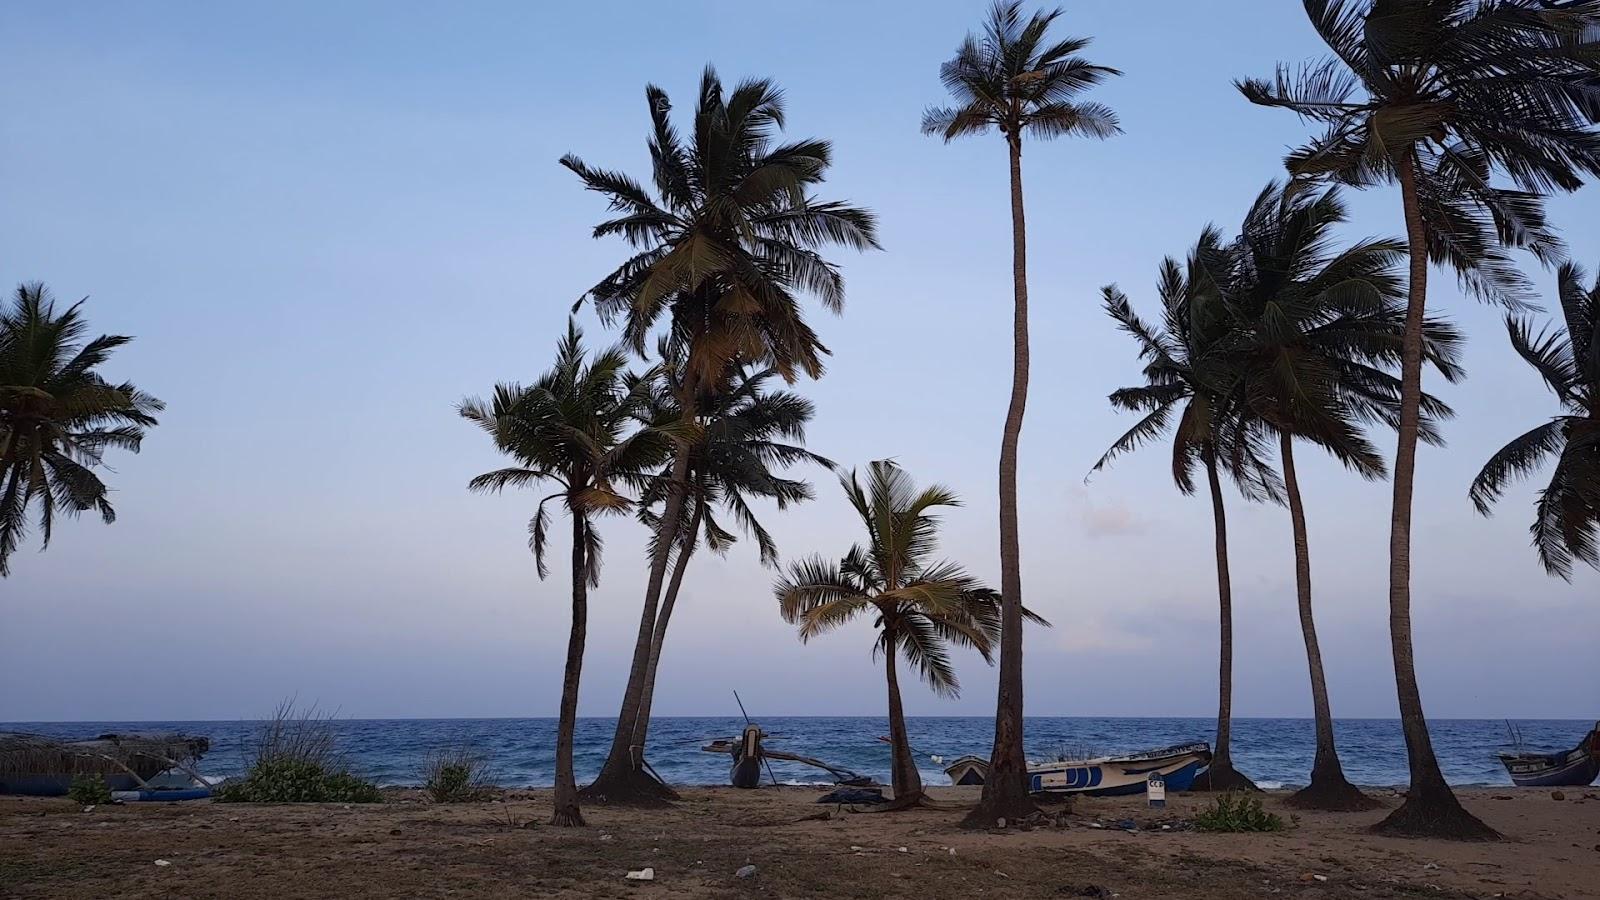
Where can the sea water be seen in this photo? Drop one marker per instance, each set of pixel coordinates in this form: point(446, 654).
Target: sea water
point(1274, 752)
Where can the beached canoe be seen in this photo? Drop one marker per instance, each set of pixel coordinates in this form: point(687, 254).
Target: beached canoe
point(1102, 776)
point(1566, 768)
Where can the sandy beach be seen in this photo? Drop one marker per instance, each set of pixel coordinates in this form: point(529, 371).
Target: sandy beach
point(409, 847)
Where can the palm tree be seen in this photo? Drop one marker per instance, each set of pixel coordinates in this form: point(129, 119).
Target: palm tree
point(58, 416)
point(920, 605)
point(724, 250)
point(1016, 81)
point(1438, 97)
point(746, 433)
point(1315, 334)
point(1566, 524)
point(571, 429)
point(1184, 376)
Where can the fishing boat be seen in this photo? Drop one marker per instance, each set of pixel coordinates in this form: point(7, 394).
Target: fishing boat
point(1103, 776)
point(1564, 768)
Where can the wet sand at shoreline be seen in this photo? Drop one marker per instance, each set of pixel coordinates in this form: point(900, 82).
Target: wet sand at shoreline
point(409, 847)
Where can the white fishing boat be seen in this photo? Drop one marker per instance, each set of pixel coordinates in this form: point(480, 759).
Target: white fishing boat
point(1101, 776)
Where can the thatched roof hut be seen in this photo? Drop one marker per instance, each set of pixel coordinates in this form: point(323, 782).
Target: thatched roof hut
point(36, 764)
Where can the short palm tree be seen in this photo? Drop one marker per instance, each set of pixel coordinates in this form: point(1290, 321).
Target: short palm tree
point(1315, 334)
point(1566, 524)
point(1185, 377)
point(724, 251)
point(574, 429)
point(58, 416)
point(1017, 80)
point(921, 605)
point(1439, 97)
point(748, 434)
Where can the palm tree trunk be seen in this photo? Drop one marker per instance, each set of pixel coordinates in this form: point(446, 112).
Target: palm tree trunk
point(1005, 788)
point(903, 776)
point(566, 795)
point(686, 545)
point(1431, 808)
point(622, 778)
point(1221, 775)
point(1329, 789)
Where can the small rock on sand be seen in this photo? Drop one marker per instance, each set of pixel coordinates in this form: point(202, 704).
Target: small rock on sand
point(645, 874)
point(745, 872)
point(163, 863)
point(1557, 795)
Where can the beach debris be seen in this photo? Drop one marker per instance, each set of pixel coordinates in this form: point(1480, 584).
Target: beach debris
point(1319, 878)
point(1427, 866)
point(89, 808)
point(163, 863)
point(1096, 825)
point(644, 874)
point(953, 850)
point(1002, 874)
point(856, 848)
point(745, 872)
point(1128, 825)
point(606, 837)
point(902, 850)
point(1557, 795)
point(1000, 822)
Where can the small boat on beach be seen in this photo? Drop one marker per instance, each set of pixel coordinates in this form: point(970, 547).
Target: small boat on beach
point(1563, 768)
point(1103, 776)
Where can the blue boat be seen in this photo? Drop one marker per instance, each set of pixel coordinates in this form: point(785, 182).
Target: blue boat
point(1105, 776)
point(1566, 768)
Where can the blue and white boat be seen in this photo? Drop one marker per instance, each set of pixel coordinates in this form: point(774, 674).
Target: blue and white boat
point(1103, 776)
point(1565, 768)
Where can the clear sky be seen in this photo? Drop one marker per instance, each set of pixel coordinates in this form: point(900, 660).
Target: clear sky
point(327, 222)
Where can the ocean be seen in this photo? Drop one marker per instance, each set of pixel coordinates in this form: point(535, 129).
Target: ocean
point(1274, 752)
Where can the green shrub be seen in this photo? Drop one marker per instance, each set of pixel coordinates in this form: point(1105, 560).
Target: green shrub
point(457, 775)
point(89, 790)
point(287, 780)
point(1237, 811)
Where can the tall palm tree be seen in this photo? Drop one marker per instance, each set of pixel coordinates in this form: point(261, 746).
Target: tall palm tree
point(1440, 96)
point(574, 428)
point(1315, 334)
point(1185, 376)
point(58, 416)
point(921, 605)
point(1566, 524)
point(1019, 81)
point(724, 251)
point(748, 433)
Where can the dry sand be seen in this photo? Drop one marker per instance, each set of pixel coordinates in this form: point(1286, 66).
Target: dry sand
point(411, 848)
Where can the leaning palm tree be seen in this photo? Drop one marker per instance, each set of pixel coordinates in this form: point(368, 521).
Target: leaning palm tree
point(1566, 524)
point(1439, 97)
point(58, 416)
point(1016, 80)
point(575, 429)
point(1315, 333)
point(724, 251)
point(1185, 377)
point(748, 434)
point(921, 605)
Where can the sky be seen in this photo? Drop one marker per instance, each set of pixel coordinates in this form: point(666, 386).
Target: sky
point(326, 224)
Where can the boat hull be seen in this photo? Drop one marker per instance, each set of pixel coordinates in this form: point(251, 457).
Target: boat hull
point(1572, 768)
point(1105, 777)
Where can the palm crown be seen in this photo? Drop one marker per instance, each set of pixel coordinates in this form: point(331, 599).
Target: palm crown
point(1013, 79)
point(1566, 523)
point(730, 238)
point(922, 604)
point(1452, 91)
point(58, 416)
point(573, 427)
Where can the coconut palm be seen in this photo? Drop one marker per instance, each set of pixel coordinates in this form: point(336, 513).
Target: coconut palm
point(1018, 80)
point(1440, 97)
point(748, 434)
point(58, 416)
point(921, 605)
point(724, 251)
point(1566, 524)
point(1184, 377)
point(1315, 332)
point(574, 429)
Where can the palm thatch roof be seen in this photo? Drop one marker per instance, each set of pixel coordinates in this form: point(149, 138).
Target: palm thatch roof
point(142, 755)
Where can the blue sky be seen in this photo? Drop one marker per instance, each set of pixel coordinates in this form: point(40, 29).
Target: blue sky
point(326, 223)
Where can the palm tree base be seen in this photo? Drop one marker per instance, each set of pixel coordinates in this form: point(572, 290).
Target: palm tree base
point(567, 817)
point(1222, 776)
point(1331, 792)
point(1435, 813)
point(628, 786)
point(1008, 802)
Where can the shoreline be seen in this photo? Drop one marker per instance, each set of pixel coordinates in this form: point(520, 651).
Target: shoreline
point(50, 847)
